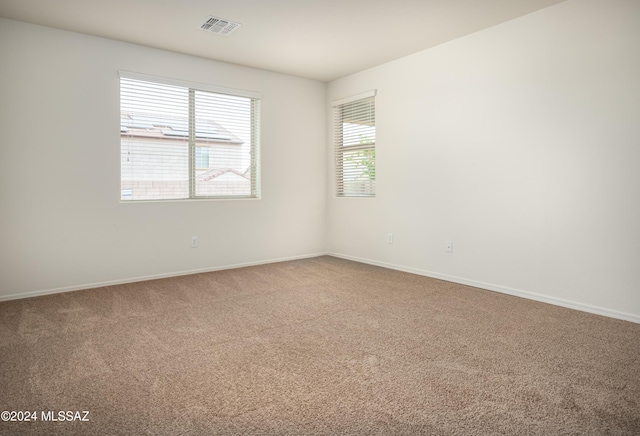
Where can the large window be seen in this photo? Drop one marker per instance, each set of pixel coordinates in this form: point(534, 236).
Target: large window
point(181, 140)
point(355, 146)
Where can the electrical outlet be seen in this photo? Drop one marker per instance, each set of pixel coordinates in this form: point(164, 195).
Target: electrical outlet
point(194, 242)
point(389, 238)
point(448, 247)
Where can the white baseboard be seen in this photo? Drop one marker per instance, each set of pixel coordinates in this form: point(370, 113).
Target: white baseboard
point(502, 289)
point(151, 277)
point(488, 286)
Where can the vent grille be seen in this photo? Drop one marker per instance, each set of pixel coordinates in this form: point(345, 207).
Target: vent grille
point(220, 26)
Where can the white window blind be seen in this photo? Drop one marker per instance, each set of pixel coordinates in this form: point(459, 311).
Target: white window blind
point(355, 145)
point(181, 140)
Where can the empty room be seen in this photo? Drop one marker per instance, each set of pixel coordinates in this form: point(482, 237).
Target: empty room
point(319, 217)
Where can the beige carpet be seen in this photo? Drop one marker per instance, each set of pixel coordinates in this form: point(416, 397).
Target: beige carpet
point(317, 346)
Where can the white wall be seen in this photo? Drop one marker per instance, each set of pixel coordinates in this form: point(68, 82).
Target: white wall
point(62, 225)
point(519, 143)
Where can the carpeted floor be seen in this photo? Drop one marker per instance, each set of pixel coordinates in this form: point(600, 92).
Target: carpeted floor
point(316, 346)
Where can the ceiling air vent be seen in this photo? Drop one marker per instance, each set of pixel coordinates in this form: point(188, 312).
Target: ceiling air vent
point(219, 26)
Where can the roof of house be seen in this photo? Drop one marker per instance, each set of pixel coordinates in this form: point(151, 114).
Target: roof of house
point(176, 128)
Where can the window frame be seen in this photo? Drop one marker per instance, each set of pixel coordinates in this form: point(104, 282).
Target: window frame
point(340, 149)
point(192, 88)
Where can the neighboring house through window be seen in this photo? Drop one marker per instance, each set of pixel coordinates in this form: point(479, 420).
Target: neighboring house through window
point(355, 145)
point(181, 140)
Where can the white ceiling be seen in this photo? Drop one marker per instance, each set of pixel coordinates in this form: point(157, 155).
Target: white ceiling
point(316, 39)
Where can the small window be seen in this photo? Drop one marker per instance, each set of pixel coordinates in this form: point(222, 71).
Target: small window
point(202, 158)
point(355, 146)
point(182, 141)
